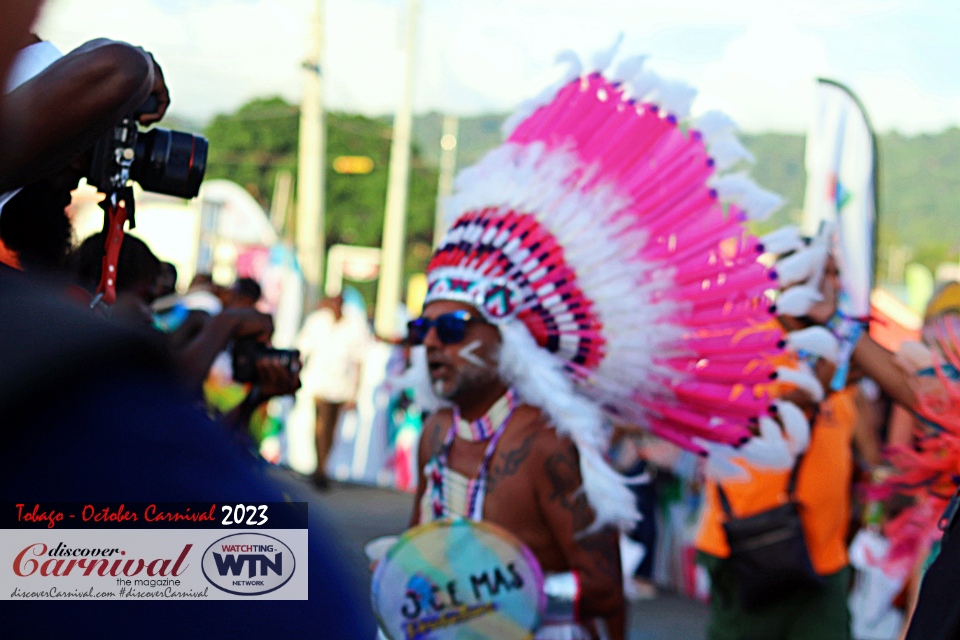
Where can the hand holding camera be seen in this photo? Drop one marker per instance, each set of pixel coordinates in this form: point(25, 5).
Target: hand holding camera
point(253, 358)
point(278, 372)
point(65, 108)
point(158, 91)
point(160, 160)
point(247, 323)
point(254, 361)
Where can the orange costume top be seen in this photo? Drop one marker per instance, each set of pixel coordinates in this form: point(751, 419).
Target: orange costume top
point(823, 490)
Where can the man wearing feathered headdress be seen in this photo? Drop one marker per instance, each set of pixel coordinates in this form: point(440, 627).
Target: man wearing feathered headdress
point(493, 456)
point(596, 268)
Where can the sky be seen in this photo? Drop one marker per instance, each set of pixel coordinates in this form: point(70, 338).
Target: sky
point(755, 59)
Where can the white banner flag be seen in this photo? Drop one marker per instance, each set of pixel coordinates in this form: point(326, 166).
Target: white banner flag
point(841, 188)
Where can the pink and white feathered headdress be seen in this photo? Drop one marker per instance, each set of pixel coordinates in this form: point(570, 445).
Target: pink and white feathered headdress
point(603, 241)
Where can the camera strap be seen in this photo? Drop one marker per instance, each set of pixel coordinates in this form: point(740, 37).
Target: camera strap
point(117, 209)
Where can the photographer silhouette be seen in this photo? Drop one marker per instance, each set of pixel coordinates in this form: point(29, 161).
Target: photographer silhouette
point(90, 409)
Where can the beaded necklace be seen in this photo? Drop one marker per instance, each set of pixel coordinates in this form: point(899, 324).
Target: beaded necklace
point(483, 427)
point(476, 488)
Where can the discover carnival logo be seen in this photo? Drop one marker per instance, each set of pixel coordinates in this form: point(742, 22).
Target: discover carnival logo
point(248, 564)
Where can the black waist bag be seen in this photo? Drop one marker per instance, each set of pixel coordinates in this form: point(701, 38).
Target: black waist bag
point(768, 553)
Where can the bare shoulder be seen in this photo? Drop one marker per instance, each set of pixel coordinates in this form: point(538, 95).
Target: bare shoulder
point(522, 450)
point(542, 446)
point(548, 442)
point(556, 479)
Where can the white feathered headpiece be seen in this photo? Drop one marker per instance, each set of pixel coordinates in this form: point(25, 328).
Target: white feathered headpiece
point(602, 241)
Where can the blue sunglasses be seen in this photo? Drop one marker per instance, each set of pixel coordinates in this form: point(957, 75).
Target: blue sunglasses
point(451, 327)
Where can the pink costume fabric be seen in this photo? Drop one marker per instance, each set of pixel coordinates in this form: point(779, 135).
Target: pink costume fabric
point(928, 471)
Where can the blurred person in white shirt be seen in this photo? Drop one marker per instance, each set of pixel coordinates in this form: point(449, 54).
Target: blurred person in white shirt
point(332, 344)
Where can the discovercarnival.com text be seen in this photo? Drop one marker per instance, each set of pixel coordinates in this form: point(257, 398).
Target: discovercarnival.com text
point(53, 592)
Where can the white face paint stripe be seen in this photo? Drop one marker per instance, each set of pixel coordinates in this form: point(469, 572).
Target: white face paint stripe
point(467, 354)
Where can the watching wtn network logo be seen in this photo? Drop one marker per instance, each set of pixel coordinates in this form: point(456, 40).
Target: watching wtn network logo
point(248, 564)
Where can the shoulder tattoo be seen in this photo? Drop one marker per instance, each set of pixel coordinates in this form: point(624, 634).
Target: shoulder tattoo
point(509, 462)
point(563, 471)
point(434, 436)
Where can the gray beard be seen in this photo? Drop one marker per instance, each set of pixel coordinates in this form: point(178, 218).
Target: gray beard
point(466, 381)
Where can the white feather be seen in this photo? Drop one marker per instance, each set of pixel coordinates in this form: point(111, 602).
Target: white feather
point(720, 465)
point(732, 187)
point(804, 379)
point(539, 379)
point(823, 242)
point(714, 124)
point(783, 240)
point(675, 97)
point(602, 59)
point(816, 340)
point(643, 84)
point(795, 425)
point(759, 204)
point(570, 58)
point(768, 450)
point(800, 266)
point(739, 189)
point(628, 68)
point(726, 151)
point(797, 301)
point(528, 107)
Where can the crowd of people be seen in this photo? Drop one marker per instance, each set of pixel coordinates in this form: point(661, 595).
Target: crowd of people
point(537, 361)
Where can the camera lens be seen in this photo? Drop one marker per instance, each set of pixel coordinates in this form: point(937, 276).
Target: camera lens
point(170, 162)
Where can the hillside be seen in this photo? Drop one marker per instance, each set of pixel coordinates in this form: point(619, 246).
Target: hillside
point(919, 180)
point(919, 176)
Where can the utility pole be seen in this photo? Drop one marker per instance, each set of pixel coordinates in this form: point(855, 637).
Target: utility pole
point(311, 165)
point(395, 216)
point(282, 192)
point(448, 166)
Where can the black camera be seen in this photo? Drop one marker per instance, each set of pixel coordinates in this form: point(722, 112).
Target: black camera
point(248, 351)
point(161, 160)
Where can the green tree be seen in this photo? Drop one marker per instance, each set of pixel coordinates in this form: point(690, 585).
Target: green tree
point(919, 176)
point(252, 144)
